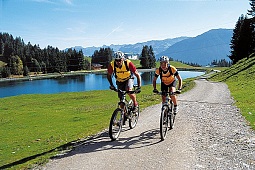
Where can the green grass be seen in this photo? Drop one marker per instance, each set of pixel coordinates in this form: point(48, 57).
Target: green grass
point(37, 125)
point(240, 79)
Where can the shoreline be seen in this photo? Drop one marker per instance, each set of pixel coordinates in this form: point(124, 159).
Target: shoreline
point(73, 73)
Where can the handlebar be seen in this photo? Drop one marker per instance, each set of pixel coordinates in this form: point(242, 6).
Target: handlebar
point(170, 93)
point(125, 92)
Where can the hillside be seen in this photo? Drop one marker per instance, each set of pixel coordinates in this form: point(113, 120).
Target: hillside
point(242, 70)
point(203, 49)
point(240, 80)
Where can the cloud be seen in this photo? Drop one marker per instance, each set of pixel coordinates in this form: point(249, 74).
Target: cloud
point(114, 30)
point(68, 2)
point(44, 1)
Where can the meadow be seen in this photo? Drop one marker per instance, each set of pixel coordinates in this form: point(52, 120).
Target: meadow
point(38, 126)
point(35, 127)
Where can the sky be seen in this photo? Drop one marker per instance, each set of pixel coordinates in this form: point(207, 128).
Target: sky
point(68, 23)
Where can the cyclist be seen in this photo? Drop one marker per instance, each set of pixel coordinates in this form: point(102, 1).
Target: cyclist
point(167, 75)
point(123, 70)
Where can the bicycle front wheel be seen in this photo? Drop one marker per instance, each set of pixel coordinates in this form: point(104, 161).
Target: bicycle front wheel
point(116, 123)
point(164, 122)
point(134, 118)
point(171, 116)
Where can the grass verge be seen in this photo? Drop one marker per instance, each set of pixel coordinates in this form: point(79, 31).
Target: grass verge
point(35, 127)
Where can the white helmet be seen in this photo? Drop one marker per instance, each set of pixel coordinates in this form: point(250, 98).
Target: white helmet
point(119, 55)
point(164, 59)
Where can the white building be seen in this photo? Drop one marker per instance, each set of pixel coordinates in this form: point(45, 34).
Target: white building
point(131, 56)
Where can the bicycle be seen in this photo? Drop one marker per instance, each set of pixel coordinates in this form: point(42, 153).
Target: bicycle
point(123, 112)
point(167, 117)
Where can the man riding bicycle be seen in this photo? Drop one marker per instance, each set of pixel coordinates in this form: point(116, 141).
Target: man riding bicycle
point(123, 70)
point(167, 75)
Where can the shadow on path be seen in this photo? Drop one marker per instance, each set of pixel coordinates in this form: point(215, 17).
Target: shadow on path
point(103, 142)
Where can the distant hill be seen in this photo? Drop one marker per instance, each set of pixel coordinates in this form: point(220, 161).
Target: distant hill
point(203, 49)
point(157, 45)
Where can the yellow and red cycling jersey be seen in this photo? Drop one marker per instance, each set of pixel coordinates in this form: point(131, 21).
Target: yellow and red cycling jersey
point(124, 72)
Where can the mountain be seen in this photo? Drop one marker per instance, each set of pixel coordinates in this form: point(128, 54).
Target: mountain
point(157, 45)
point(202, 49)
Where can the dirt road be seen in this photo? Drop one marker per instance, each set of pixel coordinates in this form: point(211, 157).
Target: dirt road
point(209, 133)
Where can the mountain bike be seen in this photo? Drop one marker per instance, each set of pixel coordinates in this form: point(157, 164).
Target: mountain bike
point(167, 116)
point(122, 113)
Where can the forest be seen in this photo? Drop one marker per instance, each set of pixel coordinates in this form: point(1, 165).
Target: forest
point(21, 58)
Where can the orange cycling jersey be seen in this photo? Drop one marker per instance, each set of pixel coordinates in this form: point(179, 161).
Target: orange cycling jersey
point(168, 76)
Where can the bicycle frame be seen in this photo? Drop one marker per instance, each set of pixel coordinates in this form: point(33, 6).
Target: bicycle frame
point(167, 116)
point(122, 113)
point(123, 103)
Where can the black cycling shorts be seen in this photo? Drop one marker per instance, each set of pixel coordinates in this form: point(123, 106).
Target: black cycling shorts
point(165, 88)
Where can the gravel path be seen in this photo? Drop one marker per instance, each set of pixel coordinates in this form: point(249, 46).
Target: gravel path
point(209, 133)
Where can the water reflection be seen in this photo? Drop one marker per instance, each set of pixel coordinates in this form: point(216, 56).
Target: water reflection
point(73, 83)
point(147, 77)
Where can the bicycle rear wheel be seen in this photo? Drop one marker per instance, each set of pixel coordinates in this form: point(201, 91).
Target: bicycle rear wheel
point(116, 123)
point(164, 122)
point(134, 118)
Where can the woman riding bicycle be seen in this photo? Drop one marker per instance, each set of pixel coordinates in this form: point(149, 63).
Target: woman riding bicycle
point(123, 69)
point(167, 75)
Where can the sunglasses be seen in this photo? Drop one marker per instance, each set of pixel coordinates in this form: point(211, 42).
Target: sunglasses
point(118, 60)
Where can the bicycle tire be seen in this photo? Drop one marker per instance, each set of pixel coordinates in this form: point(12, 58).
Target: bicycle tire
point(134, 118)
point(164, 122)
point(116, 123)
point(171, 117)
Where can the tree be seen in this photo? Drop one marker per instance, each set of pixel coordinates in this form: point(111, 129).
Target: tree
point(36, 65)
point(241, 43)
point(6, 72)
point(152, 58)
point(103, 56)
point(25, 71)
point(1, 47)
point(147, 58)
point(221, 63)
point(251, 12)
point(48, 60)
point(86, 64)
point(16, 65)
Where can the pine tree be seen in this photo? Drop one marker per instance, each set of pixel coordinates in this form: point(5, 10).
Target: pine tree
point(152, 58)
point(251, 12)
point(241, 43)
point(144, 59)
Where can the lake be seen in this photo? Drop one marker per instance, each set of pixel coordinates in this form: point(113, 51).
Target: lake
point(74, 83)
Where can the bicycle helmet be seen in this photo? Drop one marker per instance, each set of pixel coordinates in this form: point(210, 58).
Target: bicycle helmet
point(118, 55)
point(164, 59)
